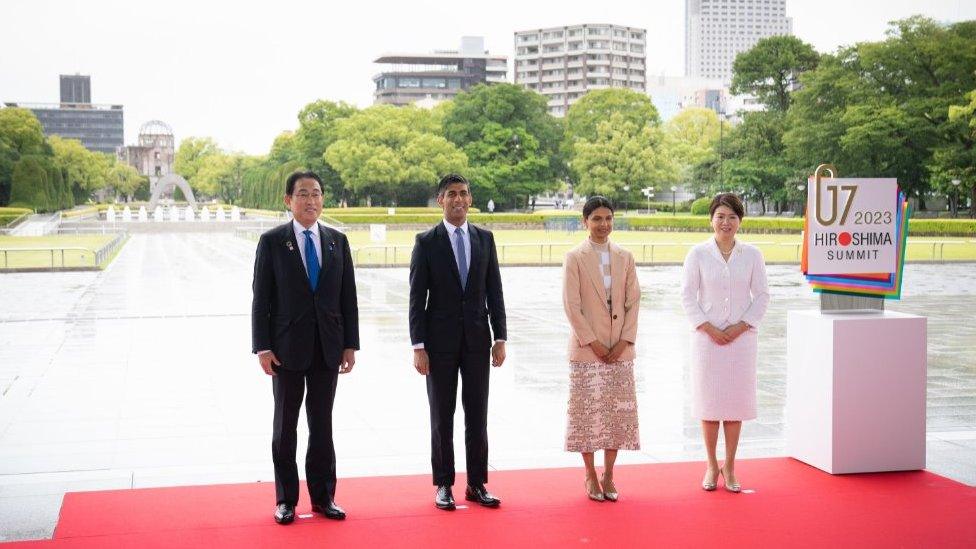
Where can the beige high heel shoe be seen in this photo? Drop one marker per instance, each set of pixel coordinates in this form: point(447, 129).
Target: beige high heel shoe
point(609, 490)
point(709, 485)
point(593, 490)
point(733, 487)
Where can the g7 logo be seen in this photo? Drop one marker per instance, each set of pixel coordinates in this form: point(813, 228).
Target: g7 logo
point(833, 191)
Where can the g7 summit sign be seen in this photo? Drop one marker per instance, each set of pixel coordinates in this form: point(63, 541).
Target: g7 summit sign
point(852, 226)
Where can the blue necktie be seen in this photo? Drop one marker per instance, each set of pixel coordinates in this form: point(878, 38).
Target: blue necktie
point(311, 260)
point(461, 257)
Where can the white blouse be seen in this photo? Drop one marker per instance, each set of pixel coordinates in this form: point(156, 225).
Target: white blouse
point(723, 293)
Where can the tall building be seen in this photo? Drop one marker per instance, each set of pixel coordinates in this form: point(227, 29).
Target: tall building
point(98, 127)
point(718, 30)
point(563, 63)
point(434, 77)
point(75, 88)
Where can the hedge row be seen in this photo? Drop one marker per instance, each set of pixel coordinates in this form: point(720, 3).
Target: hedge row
point(942, 227)
point(381, 210)
point(917, 227)
point(9, 215)
point(432, 218)
point(7, 219)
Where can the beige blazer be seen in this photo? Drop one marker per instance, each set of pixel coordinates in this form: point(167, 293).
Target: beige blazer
point(585, 301)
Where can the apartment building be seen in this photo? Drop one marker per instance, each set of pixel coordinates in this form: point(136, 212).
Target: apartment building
point(563, 63)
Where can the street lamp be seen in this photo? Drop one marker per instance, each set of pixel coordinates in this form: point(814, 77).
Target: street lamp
point(674, 210)
point(955, 198)
point(801, 187)
point(648, 192)
point(721, 149)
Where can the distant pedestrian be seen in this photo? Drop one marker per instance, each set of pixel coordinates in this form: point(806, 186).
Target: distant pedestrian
point(491, 206)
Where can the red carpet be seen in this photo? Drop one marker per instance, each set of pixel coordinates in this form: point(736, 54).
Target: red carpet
point(793, 505)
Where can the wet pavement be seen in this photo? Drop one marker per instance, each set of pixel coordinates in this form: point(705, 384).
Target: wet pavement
point(141, 375)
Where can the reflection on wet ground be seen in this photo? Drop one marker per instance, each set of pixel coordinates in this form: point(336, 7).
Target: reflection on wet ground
point(141, 376)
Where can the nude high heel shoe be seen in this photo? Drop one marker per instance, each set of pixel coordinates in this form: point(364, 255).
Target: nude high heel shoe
point(609, 490)
point(593, 490)
point(733, 487)
point(709, 485)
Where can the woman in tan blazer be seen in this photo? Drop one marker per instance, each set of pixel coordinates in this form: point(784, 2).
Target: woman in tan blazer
point(602, 298)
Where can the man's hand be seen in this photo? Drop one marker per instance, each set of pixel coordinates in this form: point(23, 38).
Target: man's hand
point(617, 350)
point(498, 353)
point(267, 359)
point(348, 361)
point(421, 362)
point(718, 336)
point(600, 350)
point(735, 330)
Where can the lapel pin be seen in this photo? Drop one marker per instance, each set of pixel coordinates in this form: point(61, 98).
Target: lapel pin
point(291, 248)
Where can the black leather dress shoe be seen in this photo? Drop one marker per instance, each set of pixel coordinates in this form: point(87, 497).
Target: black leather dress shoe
point(480, 495)
point(284, 513)
point(330, 510)
point(444, 498)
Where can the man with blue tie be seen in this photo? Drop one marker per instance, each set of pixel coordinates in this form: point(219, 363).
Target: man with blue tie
point(456, 307)
point(305, 331)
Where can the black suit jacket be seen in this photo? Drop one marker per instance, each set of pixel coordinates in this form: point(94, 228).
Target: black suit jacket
point(285, 312)
point(439, 309)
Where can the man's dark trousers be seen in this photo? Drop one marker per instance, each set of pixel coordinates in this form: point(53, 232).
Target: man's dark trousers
point(320, 460)
point(442, 383)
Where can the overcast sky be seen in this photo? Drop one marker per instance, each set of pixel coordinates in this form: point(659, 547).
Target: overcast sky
point(240, 71)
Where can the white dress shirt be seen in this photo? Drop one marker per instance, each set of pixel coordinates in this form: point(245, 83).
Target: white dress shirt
point(300, 239)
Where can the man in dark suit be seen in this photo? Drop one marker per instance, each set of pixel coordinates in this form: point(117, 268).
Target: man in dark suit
point(455, 293)
point(305, 331)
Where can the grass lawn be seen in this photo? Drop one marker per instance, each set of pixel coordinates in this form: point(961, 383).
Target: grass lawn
point(18, 253)
point(537, 246)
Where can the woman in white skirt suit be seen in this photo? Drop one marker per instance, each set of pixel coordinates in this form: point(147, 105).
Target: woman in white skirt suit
point(724, 295)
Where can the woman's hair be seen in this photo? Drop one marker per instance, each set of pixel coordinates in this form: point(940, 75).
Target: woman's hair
point(595, 202)
point(728, 200)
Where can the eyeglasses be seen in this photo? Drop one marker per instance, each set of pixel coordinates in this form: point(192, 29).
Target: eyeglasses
point(302, 195)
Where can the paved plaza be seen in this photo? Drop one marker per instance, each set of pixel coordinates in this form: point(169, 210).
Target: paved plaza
point(141, 375)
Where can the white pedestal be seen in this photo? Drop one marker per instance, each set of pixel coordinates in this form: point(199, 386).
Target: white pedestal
point(855, 391)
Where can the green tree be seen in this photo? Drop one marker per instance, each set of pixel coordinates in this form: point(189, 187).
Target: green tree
point(21, 131)
point(191, 155)
point(596, 107)
point(20, 134)
point(84, 171)
point(691, 138)
point(7, 159)
point(622, 153)
point(757, 168)
point(284, 149)
point(509, 138)
point(316, 131)
point(956, 159)
point(881, 109)
point(30, 184)
point(124, 179)
point(619, 128)
point(392, 154)
point(771, 69)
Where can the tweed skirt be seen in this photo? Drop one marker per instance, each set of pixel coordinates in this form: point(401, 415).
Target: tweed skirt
point(723, 378)
point(602, 412)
